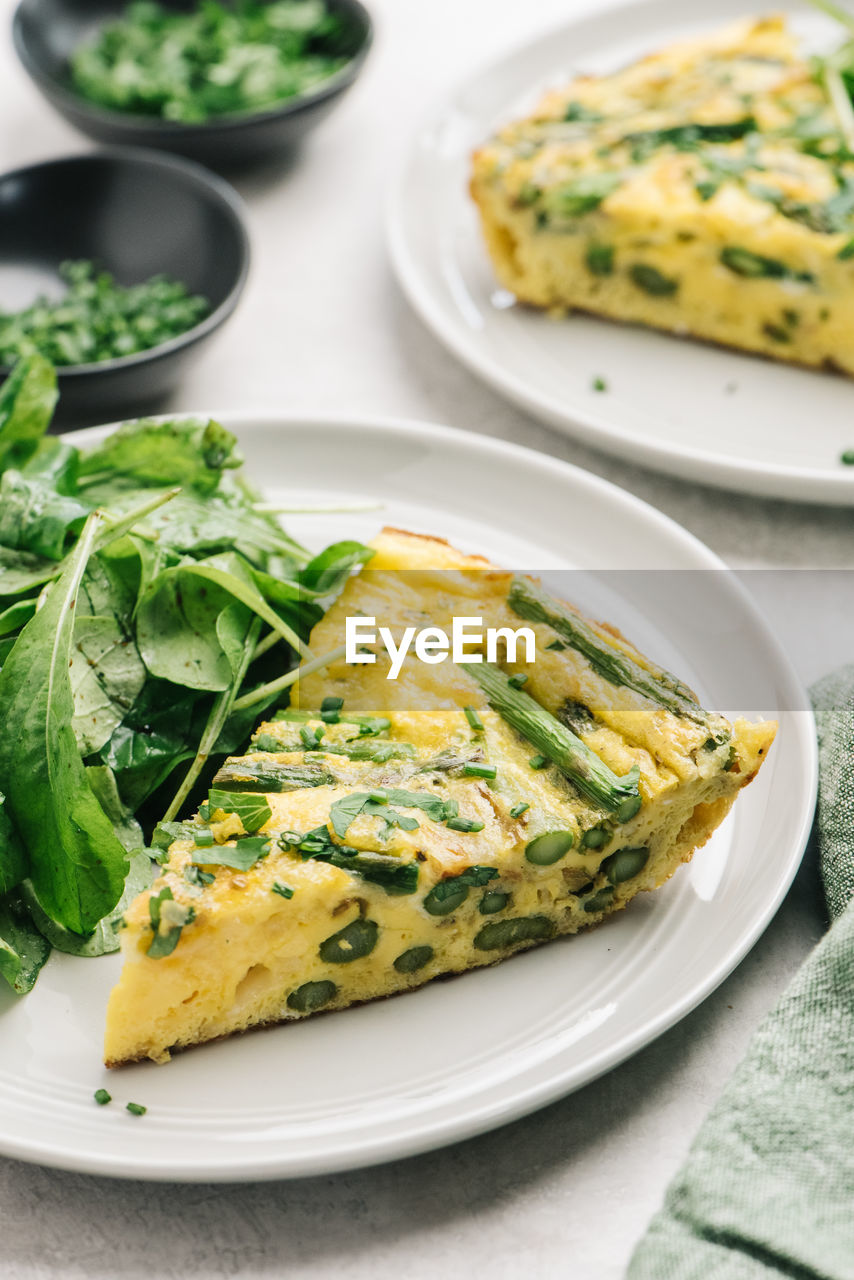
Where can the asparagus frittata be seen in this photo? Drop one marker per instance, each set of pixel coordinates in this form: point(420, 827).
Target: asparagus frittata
point(381, 833)
point(707, 190)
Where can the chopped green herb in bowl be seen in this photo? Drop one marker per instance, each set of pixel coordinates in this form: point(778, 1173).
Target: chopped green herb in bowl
point(98, 319)
point(216, 60)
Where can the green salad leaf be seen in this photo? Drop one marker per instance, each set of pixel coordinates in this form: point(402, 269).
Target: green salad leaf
point(76, 864)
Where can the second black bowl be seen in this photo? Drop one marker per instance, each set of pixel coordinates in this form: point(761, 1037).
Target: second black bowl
point(136, 214)
point(46, 31)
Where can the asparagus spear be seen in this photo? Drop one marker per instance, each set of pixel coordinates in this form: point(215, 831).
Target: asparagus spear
point(582, 766)
point(269, 775)
point(531, 602)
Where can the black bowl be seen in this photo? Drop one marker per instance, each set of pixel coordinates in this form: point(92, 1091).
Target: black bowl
point(46, 31)
point(136, 214)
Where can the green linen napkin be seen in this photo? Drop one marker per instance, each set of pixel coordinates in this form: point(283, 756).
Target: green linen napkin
point(767, 1189)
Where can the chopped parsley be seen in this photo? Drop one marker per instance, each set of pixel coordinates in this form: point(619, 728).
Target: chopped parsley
point(97, 319)
point(537, 762)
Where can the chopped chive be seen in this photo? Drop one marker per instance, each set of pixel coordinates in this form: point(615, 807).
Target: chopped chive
point(479, 770)
point(136, 1108)
point(463, 824)
point(330, 710)
point(847, 251)
point(473, 719)
point(519, 809)
point(102, 1097)
point(203, 837)
point(557, 645)
point(537, 762)
point(599, 384)
point(517, 680)
point(847, 458)
point(283, 890)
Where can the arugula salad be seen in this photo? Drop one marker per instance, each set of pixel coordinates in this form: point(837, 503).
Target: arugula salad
point(151, 609)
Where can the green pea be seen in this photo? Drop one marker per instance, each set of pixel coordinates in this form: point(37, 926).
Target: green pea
point(413, 959)
point(492, 902)
point(550, 847)
point(600, 900)
point(354, 941)
point(625, 863)
point(507, 933)
point(445, 897)
point(311, 996)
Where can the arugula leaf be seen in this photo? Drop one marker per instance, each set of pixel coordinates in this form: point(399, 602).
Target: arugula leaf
point(154, 739)
point(104, 940)
point(76, 864)
point(23, 950)
point(329, 570)
point(13, 862)
point(107, 676)
point(27, 400)
point(34, 517)
point(252, 809)
point(177, 615)
point(16, 615)
point(21, 571)
point(177, 631)
point(102, 780)
point(55, 463)
point(191, 452)
point(241, 855)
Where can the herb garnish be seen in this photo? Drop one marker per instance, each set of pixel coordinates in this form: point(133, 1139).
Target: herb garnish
point(214, 61)
point(98, 319)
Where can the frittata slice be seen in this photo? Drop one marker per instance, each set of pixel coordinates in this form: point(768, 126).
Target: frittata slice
point(381, 833)
point(706, 190)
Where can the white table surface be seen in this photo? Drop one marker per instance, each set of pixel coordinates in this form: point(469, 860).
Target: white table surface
point(323, 328)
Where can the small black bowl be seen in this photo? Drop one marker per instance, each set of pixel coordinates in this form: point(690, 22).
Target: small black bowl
point(46, 32)
point(135, 214)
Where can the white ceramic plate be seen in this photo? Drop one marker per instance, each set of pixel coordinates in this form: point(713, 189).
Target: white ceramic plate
point(697, 411)
point(401, 1076)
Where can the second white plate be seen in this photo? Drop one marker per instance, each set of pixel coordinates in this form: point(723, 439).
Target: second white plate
point(400, 1076)
point(707, 414)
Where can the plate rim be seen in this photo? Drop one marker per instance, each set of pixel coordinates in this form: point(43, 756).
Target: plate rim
point(583, 423)
point(421, 1133)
